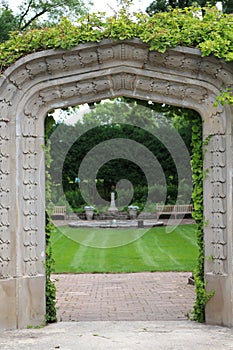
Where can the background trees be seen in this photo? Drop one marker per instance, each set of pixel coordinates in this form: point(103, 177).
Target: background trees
point(114, 120)
point(38, 14)
point(164, 5)
point(8, 21)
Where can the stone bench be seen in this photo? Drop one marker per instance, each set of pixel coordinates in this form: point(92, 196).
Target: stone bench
point(175, 210)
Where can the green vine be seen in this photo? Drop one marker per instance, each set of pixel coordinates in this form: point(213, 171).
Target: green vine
point(50, 289)
point(197, 196)
point(212, 33)
point(225, 97)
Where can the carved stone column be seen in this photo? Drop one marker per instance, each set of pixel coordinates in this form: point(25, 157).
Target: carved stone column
point(218, 216)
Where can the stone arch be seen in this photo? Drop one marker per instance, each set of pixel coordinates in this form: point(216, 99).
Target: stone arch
point(42, 81)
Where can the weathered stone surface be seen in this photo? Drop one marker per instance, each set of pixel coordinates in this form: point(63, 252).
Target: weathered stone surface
point(8, 304)
point(42, 81)
point(31, 301)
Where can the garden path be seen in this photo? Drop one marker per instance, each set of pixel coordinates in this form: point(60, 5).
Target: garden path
point(144, 296)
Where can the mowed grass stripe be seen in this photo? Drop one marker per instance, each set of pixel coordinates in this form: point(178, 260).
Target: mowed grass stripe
point(175, 248)
point(144, 252)
point(88, 258)
point(162, 244)
point(81, 249)
point(156, 250)
point(79, 257)
point(188, 235)
point(64, 250)
point(170, 259)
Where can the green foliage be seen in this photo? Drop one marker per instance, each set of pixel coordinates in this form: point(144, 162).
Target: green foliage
point(70, 200)
point(7, 22)
point(31, 11)
point(114, 120)
point(212, 33)
point(225, 97)
point(50, 289)
point(202, 298)
point(197, 166)
point(166, 5)
point(39, 13)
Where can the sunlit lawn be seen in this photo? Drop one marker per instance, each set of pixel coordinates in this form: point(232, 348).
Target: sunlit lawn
point(79, 250)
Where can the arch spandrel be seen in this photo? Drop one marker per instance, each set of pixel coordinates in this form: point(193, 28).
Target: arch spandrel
point(51, 79)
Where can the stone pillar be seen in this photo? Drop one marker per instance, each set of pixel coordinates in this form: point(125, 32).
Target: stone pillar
point(218, 217)
point(22, 227)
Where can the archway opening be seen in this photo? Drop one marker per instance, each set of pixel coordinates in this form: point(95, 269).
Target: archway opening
point(125, 120)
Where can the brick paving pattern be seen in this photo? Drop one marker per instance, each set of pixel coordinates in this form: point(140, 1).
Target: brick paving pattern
point(144, 296)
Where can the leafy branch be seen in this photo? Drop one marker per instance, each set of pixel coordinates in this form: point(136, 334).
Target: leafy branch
point(212, 33)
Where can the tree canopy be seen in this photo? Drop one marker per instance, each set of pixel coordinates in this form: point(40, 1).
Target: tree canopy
point(38, 14)
point(8, 22)
point(164, 5)
point(120, 120)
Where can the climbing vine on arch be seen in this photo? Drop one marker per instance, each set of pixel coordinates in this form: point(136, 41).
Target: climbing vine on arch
point(212, 33)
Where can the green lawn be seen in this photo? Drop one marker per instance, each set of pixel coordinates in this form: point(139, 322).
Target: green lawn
point(124, 250)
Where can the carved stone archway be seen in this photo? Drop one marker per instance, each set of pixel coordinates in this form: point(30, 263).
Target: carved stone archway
point(90, 72)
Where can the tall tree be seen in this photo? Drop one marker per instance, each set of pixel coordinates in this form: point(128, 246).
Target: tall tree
point(8, 21)
point(49, 12)
point(164, 5)
point(38, 14)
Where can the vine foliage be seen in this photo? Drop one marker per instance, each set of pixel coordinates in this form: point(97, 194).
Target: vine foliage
point(211, 33)
point(50, 288)
point(198, 214)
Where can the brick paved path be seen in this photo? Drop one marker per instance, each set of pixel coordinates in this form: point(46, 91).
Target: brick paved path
point(143, 296)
